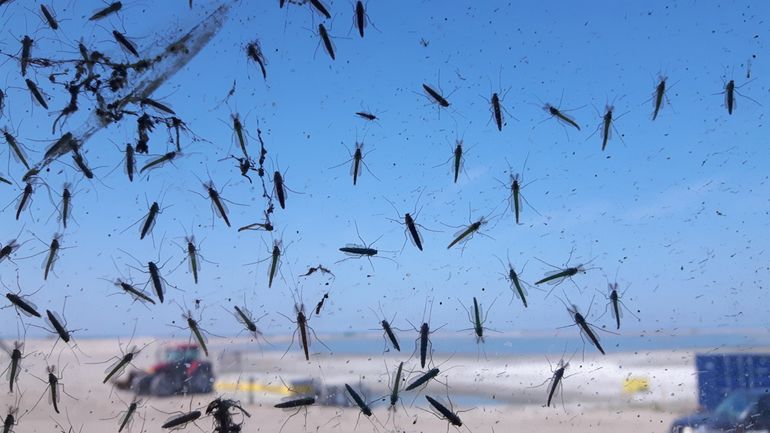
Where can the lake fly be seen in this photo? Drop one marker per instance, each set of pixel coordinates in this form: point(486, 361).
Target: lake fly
point(389, 335)
point(217, 202)
point(82, 165)
point(559, 275)
point(14, 368)
point(658, 96)
point(49, 18)
point(515, 281)
point(160, 161)
point(157, 105)
point(244, 316)
point(445, 413)
point(36, 93)
point(467, 233)
point(357, 251)
point(149, 220)
point(121, 362)
point(584, 326)
point(65, 208)
point(730, 91)
point(365, 409)
point(127, 419)
point(133, 291)
point(435, 96)
point(411, 226)
point(123, 41)
point(16, 148)
point(53, 255)
point(318, 6)
point(360, 17)
point(304, 330)
point(616, 304)
point(26, 47)
point(181, 421)
point(279, 189)
point(240, 134)
point(196, 331)
point(275, 262)
point(23, 305)
point(111, 9)
point(366, 115)
point(25, 198)
point(555, 382)
point(254, 53)
point(357, 162)
point(328, 45)
point(560, 116)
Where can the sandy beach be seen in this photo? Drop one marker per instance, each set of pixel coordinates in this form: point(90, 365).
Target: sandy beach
point(499, 394)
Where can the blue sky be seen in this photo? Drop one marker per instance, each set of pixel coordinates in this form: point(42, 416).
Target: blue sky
point(678, 208)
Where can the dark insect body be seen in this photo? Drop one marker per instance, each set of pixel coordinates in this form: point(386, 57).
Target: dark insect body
point(280, 189)
point(182, 420)
point(466, 233)
point(134, 292)
point(440, 100)
point(130, 162)
point(111, 9)
point(320, 8)
point(553, 111)
point(391, 335)
point(50, 19)
point(585, 328)
point(125, 43)
point(216, 201)
point(36, 93)
point(556, 379)
point(14, 368)
point(450, 416)
point(730, 96)
point(149, 221)
point(25, 306)
point(298, 402)
point(61, 331)
point(26, 196)
point(159, 161)
point(80, 162)
point(365, 115)
point(660, 93)
point(497, 111)
point(157, 280)
point(432, 373)
point(360, 17)
point(26, 47)
point(53, 253)
point(127, 418)
point(365, 409)
point(326, 40)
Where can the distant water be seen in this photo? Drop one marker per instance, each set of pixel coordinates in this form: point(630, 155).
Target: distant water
point(501, 346)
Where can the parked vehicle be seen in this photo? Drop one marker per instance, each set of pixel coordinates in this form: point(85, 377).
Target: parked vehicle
point(179, 371)
point(741, 411)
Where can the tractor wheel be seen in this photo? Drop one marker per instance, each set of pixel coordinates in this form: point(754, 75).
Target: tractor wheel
point(202, 380)
point(164, 385)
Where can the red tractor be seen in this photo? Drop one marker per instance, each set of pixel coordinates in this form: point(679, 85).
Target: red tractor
point(178, 371)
